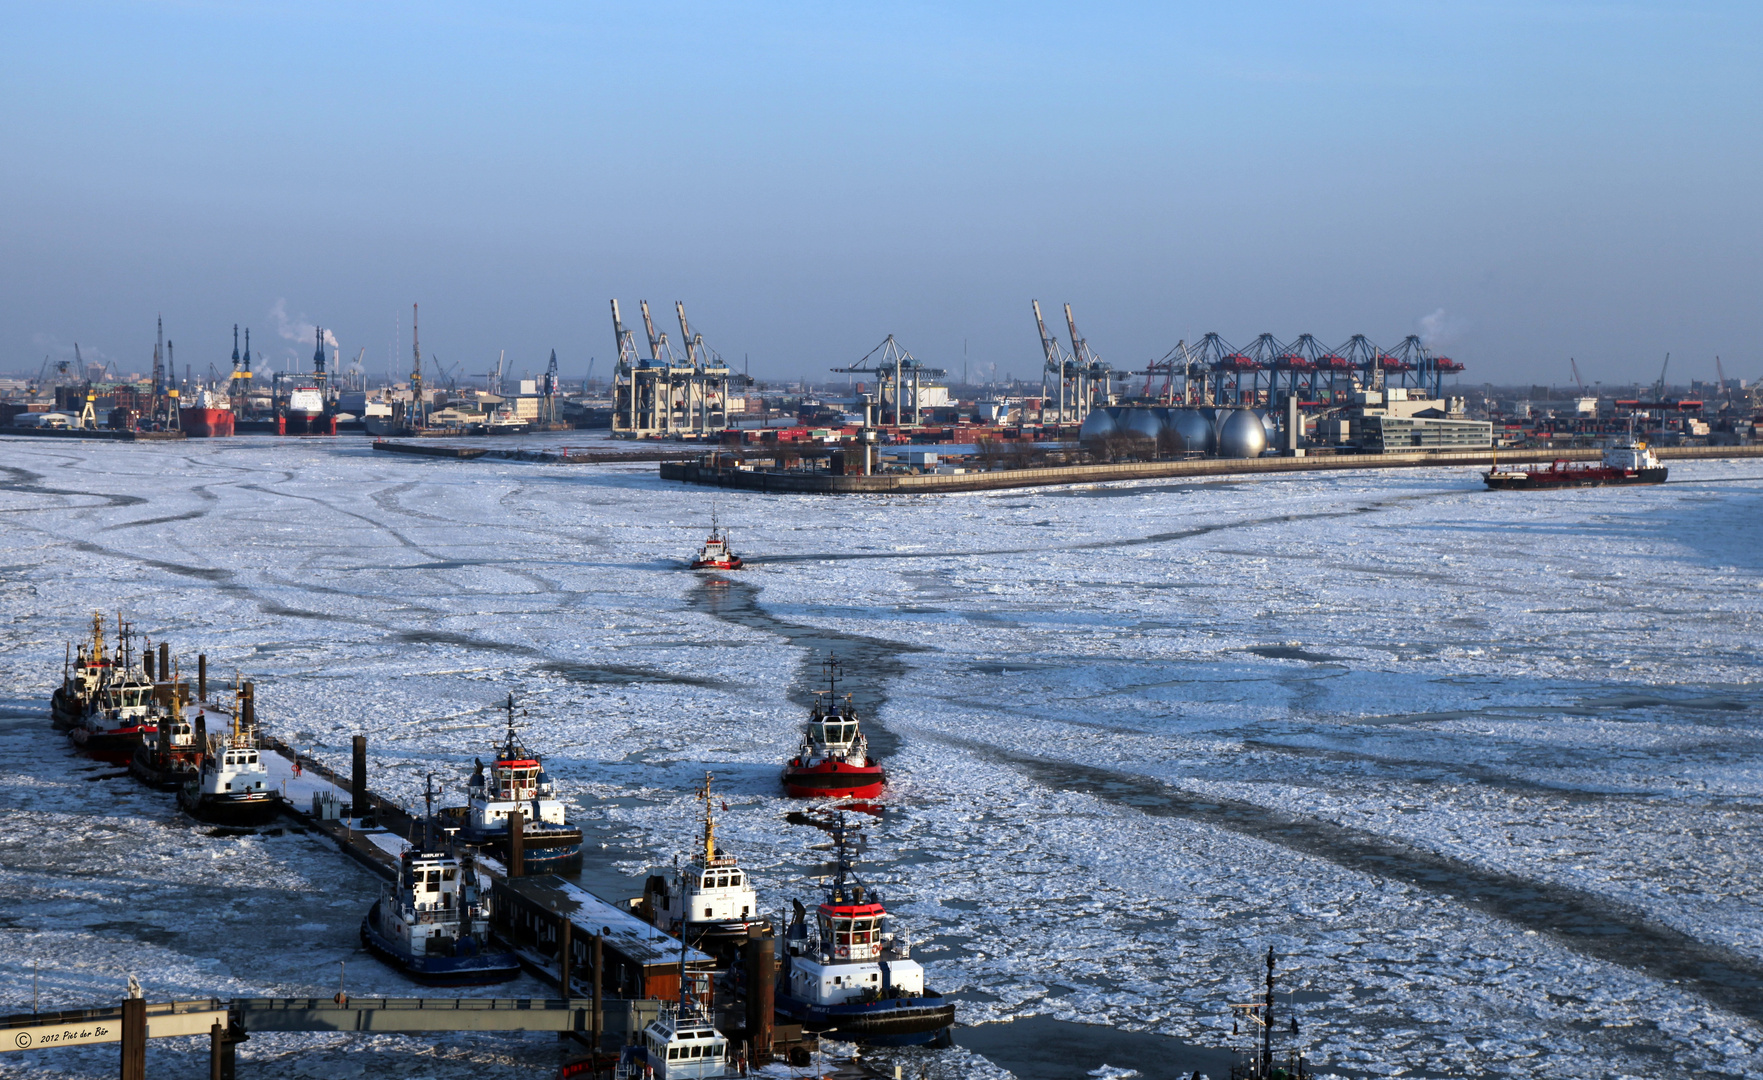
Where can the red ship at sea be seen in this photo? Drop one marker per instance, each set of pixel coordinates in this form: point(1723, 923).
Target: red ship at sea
point(208, 415)
point(834, 760)
point(715, 554)
point(1627, 463)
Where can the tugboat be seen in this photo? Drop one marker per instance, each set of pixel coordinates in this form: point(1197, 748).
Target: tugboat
point(679, 1044)
point(1628, 462)
point(833, 761)
point(715, 554)
point(855, 978)
point(231, 784)
point(115, 719)
point(435, 929)
point(710, 902)
point(167, 758)
point(517, 782)
point(83, 674)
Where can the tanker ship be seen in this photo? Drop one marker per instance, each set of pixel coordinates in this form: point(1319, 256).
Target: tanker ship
point(1625, 463)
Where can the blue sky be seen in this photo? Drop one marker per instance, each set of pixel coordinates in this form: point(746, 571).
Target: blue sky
point(1524, 181)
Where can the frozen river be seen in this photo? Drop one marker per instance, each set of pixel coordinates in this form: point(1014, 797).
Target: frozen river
point(1482, 768)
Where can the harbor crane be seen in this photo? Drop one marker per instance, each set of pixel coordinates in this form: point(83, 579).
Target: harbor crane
point(891, 370)
point(667, 393)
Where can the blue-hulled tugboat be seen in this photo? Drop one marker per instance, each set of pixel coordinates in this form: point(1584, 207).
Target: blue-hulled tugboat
point(710, 900)
point(434, 928)
point(851, 974)
point(516, 781)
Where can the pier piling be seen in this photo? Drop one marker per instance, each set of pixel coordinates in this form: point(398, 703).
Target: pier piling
point(599, 1023)
point(147, 665)
point(761, 983)
point(516, 844)
point(164, 660)
point(358, 781)
point(201, 676)
point(134, 1038)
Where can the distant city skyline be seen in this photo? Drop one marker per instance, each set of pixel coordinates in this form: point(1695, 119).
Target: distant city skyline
point(1516, 183)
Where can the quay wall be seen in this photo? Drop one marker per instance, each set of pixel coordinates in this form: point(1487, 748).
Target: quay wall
point(934, 483)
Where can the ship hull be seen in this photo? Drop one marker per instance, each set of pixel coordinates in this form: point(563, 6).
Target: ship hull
point(247, 811)
point(295, 422)
point(169, 775)
point(734, 563)
point(833, 780)
point(200, 423)
point(1541, 479)
point(918, 1021)
point(64, 709)
point(115, 746)
point(543, 850)
point(477, 969)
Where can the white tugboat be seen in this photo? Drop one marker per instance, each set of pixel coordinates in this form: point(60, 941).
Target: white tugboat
point(435, 928)
point(710, 902)
point(856, 977)
point(231, 782)
point(114, 718)
point(681, 1044)
point(516, 781)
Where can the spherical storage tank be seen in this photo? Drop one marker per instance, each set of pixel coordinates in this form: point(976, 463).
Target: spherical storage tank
point(1098, 425)
point(1189, 429)
point(1142, 423)
point(1241, 434)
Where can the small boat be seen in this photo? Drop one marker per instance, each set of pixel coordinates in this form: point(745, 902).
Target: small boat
point(231, 783)
point(715, 554)
point(851, 974)
point(1627, 462)
point(709, 901)
point(517, 782)
point(833, 761)
point(83, 673)
point(435, 928)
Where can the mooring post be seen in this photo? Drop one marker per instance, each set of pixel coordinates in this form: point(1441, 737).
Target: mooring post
point(201, 676)
point(563, 958)
point(516, 844)
point(358, 781)
point(599, 1020)
point(164, 660)
point(761, 1000)
point(216, 1049)
point(147, 665)
point(134, 1038)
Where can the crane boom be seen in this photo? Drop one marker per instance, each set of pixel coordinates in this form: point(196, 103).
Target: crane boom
point(1049, 345)
point(654, 339)
point(685, 333)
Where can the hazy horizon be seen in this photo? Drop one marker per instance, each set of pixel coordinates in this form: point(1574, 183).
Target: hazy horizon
point(1518, 183)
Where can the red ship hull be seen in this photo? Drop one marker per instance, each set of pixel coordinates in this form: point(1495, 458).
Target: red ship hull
point(1559, 476)
point(199, 423)
point(833, 780)
point(717, 564)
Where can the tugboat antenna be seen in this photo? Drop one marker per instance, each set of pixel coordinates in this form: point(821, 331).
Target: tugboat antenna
point(428, 817)
point(709, 830)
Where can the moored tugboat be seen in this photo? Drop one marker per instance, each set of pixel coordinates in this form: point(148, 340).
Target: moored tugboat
point(167, 758)
point(435, 929)
point(115, 719)
point(83, 674)
point(710, 902)
point(679, 1044)
point(833, 761)
point(715, 554)
point(852, 975)
point(231, 783)
point(517, 782)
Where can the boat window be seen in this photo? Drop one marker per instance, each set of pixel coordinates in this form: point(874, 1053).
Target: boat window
point(252, 759)
point(708, 882)
point(695, 1050)
point(673, 1053)
point(449, 873)
point(734, 879)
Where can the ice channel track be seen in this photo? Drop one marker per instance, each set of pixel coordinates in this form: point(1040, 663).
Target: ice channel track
point(1095, 701)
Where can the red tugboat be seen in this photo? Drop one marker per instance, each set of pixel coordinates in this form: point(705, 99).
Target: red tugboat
point(118, 717)
point(83, 674)
point(715, 554)
point(1625, 463)
point(834, 759)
